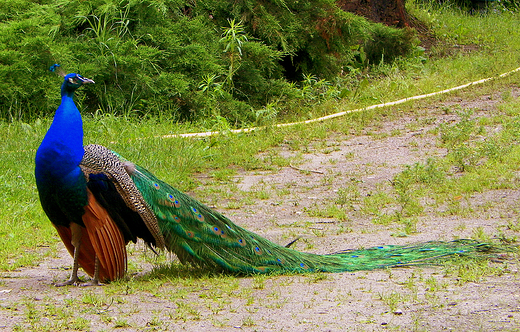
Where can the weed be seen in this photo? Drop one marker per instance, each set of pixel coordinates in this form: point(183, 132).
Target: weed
point(513, 225)
point(392, 299)
point(233, 37)
point(317, 277)
point(471, 270)
point(258, 282)
point(409, 226)
point(186, 311)
point(459, 133)
point(223, 175)
point(234, 205)
point(375, 203)
point(480, 235)
point(121, 323)
point(248, 321)
point(155, 322)
point(328, 211)
point(348, 196)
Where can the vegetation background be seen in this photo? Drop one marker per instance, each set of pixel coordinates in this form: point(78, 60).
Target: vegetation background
point(194, 60)
point(184, 59)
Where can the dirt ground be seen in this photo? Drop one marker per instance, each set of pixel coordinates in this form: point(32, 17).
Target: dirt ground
point(421, 299)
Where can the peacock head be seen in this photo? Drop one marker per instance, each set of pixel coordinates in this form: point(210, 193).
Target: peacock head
point(73, 81)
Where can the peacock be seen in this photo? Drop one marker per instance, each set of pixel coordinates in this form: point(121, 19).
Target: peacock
point(98, 202)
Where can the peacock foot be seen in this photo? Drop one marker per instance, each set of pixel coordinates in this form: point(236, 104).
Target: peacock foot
point(92, 282)
point(72, 281)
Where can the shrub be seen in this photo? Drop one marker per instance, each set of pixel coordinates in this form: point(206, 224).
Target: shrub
point(151, 56)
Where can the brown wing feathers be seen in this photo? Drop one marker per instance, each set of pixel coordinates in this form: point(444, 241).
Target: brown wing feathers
point(106, 239)
point(100, 237)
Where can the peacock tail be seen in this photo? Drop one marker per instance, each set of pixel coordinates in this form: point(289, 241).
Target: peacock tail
point(200, 235)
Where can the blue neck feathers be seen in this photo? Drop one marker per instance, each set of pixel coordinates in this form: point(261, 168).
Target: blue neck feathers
point(61, 151)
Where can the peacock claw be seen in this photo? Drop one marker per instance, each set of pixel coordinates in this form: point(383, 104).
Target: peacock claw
point(71, 281)
point(91, 283)
point(78, 282)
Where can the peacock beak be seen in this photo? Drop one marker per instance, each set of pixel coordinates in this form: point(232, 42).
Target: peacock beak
point(85, 80)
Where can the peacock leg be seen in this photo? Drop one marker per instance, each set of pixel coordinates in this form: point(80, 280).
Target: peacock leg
point(95, 280)
point(76, 242)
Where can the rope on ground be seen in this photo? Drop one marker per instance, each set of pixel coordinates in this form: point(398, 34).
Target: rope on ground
point(339, 114)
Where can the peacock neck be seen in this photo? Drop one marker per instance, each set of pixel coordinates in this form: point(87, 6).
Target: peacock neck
point(67, 126)
point(61, 151)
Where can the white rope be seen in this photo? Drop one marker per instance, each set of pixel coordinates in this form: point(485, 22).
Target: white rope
point(336, 115)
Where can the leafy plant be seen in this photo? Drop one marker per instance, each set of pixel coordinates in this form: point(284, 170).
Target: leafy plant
point(233, 37)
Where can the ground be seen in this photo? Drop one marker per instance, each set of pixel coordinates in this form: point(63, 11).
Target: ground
point(392, 13)
point(284, 207)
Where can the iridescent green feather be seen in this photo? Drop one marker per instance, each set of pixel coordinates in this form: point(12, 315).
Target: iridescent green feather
point(200, 235)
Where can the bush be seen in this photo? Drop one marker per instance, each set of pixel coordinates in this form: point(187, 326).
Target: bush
point(155, 56)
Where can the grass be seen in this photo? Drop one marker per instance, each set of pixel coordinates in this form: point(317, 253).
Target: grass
point(471, 165)
point(476, 161)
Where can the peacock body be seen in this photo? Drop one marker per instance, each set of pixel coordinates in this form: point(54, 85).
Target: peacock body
point(96, 238)
point(98, 201)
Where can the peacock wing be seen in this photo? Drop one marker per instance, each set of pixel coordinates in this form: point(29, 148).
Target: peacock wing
point(108, 178)
point(100, 238)
point(106, 239)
